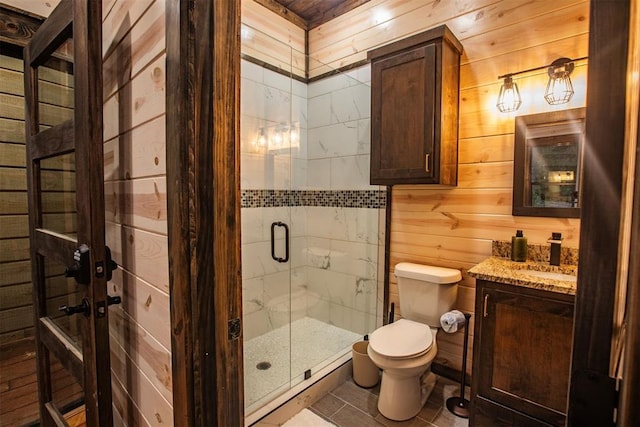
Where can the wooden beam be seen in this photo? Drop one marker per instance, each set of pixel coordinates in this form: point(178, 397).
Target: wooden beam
point(629, 410)
point(179, 146)
point(203, 211)
point(591, 395)
point(219, 208)
point(17, 28)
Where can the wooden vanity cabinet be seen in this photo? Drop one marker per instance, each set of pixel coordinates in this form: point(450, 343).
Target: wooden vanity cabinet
point(521, 356)
point(414, 109)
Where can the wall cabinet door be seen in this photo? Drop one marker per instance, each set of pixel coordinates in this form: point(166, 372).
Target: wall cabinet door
point(522, 354)
point(415, 110)
point(404, 99)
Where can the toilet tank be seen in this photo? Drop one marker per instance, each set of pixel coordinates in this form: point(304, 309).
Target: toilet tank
point(426, 292)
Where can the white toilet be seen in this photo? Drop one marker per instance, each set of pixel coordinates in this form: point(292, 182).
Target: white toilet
point(405, 349)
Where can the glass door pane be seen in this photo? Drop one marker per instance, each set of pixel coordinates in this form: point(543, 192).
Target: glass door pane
point(66, 392)
point(55, 87)
point(340, 245)
point(305, 161)
point(61, 292)
point(59, 194)
point(265, 169)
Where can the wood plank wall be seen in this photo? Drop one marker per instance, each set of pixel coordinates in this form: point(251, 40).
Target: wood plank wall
point(135, 200)
point(17, 361)
point(16, 315)
point(277, 42)
point(454, 227)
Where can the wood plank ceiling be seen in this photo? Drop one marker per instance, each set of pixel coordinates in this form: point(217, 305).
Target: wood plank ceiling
point(306, 14)
point(309, 14)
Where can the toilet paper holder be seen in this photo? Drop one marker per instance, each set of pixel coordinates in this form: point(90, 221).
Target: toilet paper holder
point(458, 405)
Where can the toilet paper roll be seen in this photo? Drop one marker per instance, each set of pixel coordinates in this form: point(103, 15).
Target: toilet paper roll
point(451, 321)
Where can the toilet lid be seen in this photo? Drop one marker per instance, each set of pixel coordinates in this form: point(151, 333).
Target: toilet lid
point(402, 338)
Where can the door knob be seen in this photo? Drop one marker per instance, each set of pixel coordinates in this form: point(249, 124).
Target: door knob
point(83, 308)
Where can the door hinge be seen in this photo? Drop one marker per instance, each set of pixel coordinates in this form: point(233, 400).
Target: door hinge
point(234, 329)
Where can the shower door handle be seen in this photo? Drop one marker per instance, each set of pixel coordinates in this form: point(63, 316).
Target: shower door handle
point(286, 241)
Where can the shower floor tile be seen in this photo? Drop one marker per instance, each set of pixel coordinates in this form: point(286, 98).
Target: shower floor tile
point(271, 361)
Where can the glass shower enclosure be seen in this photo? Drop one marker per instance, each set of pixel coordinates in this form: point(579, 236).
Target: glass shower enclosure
point(312, 226)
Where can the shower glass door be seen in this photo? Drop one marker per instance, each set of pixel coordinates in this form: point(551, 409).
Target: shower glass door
point(310, 220)
point(266, 161)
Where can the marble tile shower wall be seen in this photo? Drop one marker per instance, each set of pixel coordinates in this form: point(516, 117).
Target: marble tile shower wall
point(333, 271)
point(342, 243)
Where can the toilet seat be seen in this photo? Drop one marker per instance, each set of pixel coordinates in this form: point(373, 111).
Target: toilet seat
point(402, 339)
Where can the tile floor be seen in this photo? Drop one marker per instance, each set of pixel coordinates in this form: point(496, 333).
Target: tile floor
point(349, 405)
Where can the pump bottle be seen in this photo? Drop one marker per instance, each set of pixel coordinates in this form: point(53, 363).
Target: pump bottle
point(519, 247)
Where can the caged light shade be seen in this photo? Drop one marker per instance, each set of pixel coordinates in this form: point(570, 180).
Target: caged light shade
point(509, 97)
point(559, 87)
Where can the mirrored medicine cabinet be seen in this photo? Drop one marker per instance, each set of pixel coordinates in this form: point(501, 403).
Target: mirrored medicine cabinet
point(547, 164)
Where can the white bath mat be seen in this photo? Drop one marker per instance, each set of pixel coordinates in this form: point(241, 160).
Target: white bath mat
point(306, 418)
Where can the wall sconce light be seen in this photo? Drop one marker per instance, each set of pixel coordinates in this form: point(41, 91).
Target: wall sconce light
point(559, 87)
point(509, 98)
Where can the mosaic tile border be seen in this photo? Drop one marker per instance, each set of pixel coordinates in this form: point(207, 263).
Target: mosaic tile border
point(369, 199)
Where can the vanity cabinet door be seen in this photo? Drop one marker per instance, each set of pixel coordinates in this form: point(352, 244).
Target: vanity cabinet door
point(523, 354)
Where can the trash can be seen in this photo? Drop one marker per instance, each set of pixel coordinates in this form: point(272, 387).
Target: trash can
point(365, 372)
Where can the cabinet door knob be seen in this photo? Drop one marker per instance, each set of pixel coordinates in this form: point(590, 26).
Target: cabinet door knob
point(426, 162)
point(485, 311)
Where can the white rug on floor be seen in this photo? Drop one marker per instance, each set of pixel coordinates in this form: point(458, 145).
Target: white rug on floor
point(306, 418)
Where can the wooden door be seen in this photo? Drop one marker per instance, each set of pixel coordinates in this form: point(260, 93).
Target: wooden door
point(70, 264)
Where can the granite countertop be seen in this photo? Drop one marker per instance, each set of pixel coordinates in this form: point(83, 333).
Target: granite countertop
point(503, 270)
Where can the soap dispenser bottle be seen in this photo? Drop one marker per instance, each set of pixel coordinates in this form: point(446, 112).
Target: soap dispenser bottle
point(519, 247)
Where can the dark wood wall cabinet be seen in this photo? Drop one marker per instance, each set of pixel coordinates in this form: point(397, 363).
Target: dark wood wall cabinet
point(521, 356)
point(414, 109)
